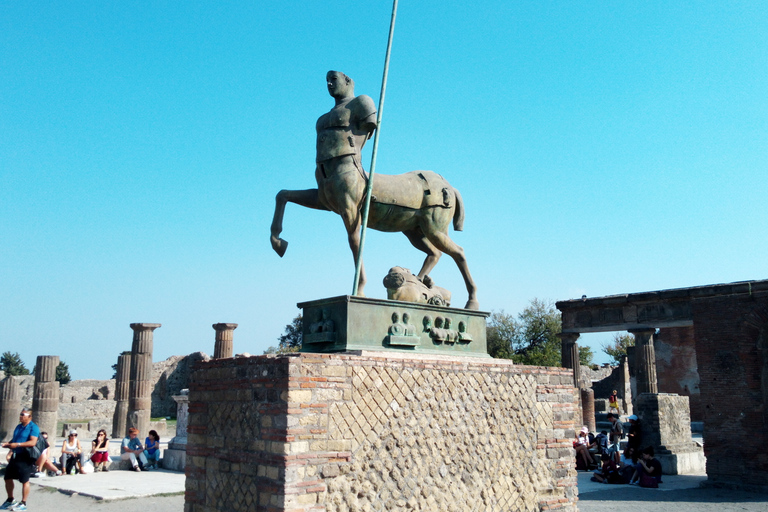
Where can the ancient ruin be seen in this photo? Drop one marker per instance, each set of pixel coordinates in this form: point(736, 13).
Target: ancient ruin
point(140, 388)
point(45, 403)
point(722, 331)
point(374, 431)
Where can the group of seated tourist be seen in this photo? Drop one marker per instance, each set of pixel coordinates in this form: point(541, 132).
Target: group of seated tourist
point(632, 466)
point(74, 460)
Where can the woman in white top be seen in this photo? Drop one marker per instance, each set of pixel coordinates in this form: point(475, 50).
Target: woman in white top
point(72, 453)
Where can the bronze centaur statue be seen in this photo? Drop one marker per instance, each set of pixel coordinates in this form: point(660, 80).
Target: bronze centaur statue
point(420, 204)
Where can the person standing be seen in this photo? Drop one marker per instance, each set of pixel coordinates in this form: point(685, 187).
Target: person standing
point(613, 402)
point(21, 465)
point(617, 433)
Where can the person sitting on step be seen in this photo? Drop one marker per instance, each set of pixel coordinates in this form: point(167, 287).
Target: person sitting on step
point(152, 451)
point(72, 456)
point(133, 450)
point(100, 451)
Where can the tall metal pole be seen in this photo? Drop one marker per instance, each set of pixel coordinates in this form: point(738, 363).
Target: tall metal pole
point(369, 187)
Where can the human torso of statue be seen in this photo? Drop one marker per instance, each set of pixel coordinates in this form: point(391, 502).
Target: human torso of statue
point(344, 130)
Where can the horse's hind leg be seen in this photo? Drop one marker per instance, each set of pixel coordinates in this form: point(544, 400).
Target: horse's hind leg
point(307, 198)
point(444, 243)
point(419, 241)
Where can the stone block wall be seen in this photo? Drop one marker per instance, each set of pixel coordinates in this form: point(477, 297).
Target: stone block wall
point(377, 432)
point(732, 352)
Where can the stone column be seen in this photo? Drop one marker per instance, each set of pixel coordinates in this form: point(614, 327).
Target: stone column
point(645, 361)
point(10, 406)
point(175, 457)
point(626, 384)
point(570, 355)
point(224, 334)
point(140, 389)
point(45, 398)
point(122, 390)
point(588, 407)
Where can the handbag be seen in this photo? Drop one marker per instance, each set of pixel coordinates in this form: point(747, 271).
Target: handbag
point(35, 451)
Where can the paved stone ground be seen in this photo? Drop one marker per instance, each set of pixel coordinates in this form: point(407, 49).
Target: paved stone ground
point(676, 494)
point(161, 491)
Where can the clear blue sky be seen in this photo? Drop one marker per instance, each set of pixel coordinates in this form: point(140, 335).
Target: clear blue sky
point(600, 148)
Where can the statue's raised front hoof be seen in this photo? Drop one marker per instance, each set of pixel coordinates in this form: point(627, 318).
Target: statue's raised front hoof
point(472, 304)
point(279, 245)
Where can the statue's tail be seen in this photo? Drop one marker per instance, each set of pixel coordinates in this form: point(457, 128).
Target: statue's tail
point(458, 215)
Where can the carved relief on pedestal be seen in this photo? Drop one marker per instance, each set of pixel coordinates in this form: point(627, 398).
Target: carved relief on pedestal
point(322, 330)
point(402, 334)
point(443, 332)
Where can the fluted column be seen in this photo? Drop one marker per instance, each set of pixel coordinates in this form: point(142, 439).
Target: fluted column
point(45, 398)
point(140, 389)
point(223, 348)
point(588, 407)
point(570, 355)
point(10, 406)
point(122, 392)
point(645, 361)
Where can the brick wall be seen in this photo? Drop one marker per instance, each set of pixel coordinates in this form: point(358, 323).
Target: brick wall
point(732, 351)
point(677, 368)
point(312, 432)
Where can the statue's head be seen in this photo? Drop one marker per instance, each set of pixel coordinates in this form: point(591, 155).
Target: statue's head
point(339, 84)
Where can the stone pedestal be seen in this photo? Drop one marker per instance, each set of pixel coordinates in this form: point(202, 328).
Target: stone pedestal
point(10, 406)
point(175, 456)
point(347, 323)
point(666, 425)
point(122, 389)
point(140, 389)
point(223, 347)
point(377, 431)
point(45, 399)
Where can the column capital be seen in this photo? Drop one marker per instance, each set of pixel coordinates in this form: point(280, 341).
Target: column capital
point(224, 327)
point(642, 335)
point(145, 326)
point(568, 337)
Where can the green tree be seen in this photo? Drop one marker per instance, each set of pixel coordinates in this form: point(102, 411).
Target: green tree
point(532, 338)
point(586, 356)
point(290, 340)
point(62, 373)
point(12, 364)
point(536, 341)
point(617, 349)
point(499, 334)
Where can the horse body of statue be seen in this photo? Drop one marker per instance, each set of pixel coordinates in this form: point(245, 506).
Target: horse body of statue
point(420, 204)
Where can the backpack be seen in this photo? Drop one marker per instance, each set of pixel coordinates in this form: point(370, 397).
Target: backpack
point(602, 443)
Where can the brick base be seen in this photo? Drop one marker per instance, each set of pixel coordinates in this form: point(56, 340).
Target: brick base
point(374, 431)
